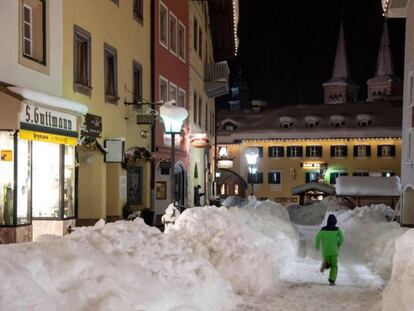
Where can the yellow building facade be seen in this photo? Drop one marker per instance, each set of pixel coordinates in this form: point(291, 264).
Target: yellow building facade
point(106, 62)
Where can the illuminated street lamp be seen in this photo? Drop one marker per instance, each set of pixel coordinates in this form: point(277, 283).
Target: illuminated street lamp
point(173, 118)
point(251, 155)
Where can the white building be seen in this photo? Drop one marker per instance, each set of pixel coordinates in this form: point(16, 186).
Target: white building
point(405, 8)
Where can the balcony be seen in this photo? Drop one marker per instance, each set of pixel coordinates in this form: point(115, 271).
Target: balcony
point(216, 79)
point(396, 8)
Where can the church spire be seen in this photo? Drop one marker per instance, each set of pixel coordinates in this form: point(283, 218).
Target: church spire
point(340, 89)
point(385, 82)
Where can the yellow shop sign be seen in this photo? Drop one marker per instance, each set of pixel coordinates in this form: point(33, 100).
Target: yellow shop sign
point(6, 155)
point(46, 137)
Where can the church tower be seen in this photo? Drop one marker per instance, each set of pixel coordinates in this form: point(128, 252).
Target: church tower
point(385, 83)
point(340, 89)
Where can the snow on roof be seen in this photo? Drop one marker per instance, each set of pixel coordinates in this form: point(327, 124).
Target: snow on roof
point(368, 186)
point(49, 100)
point(313, 186)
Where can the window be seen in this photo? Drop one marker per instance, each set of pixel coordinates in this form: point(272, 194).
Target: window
point(181, 41)
point(256, 178)
point(195, 35)
point(313, 151)
point(195, 107)
point(110, 73)
point(138, 8)
point(200, 43)
point(200, 110)
point(276, 152)
point(212, 124)
point(163, 89)
point(274, 177)
point(223, 189)
point(312, 177)
point(137, 81)
point(236, 189)
point(360, 173)
point(206, 112)
point(181, 98)
point(338, 123)
point(173, 33)
point(335, 175)
point(163, 25)
point(33, 30)
point(386, 151)
point(339, 151)
point(82, 61)
point(294, 151)
point(362, 151)
point(260, 150)
point(173, 92)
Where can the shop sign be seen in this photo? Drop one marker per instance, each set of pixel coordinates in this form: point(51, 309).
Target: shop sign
point(225, 163)
point(145, 119)
point(44, 117)
point(47, 137)
point(6, 155)
point(92, 126)
point(311, 165)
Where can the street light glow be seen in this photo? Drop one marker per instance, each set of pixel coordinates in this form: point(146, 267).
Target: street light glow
point(173, 117)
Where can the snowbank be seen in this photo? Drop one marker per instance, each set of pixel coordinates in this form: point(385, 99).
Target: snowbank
point(399, 293)
point(369, 231)
point(248, 246)
point(368, 186)
point(118, 266)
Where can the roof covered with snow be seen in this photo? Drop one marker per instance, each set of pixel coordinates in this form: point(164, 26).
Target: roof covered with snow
point(368, 186)
point(325, 188)
point(328, 121)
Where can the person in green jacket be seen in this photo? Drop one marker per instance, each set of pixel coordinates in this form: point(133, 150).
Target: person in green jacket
point(331, 238)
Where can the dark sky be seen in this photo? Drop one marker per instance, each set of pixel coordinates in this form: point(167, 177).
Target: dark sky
point(287, 47)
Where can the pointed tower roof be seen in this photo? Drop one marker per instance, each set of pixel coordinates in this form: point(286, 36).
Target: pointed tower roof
point(340, 74)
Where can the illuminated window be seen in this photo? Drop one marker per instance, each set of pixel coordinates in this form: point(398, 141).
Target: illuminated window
point(313, 151)
point(294, 151)
point(312, 176)
point(236, 189)
point(339, 151)
point(362, 151)
point(386, 151)
point(223, 189)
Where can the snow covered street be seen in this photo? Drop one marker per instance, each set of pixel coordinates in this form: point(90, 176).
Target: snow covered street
point(305, 288)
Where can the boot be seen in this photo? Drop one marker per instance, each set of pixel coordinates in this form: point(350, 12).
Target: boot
point(325, 265)
point(331, 282)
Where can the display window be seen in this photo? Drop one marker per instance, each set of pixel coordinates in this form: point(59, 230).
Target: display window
point(7, 152)
point(24, 182)
point(69, 182)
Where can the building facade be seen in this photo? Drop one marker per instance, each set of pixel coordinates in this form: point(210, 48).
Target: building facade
point(106, 66)
point(405, 9)
point(171, 82)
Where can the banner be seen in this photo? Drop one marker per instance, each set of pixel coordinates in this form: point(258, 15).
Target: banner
point(49, 138)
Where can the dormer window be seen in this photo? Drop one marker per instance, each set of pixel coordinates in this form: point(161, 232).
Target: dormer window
point(364, 120)
point(286, 122)
point(337, 121)
point(312, 121)
point(229, 125)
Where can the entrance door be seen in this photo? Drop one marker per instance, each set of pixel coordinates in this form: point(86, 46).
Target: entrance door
point(134, 185)
point(179, 185)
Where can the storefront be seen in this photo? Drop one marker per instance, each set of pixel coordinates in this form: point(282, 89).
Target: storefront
point(38, 168)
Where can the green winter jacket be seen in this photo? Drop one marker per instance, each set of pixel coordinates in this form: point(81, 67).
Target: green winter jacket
point(331, 240)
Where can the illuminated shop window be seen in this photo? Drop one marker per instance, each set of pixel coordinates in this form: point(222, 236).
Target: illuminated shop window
point(6, 178)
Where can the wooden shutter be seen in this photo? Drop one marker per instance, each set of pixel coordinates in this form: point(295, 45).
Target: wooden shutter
point(368, 151)
point(345, 151)
point(392, 151)
point(300, 151)
point(355, 151)
point(308, 151)
point(319, 151)
point(307, 177)
point(289, 151)
point(333, 151)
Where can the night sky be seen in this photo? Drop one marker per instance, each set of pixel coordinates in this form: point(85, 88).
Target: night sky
point(287, 48)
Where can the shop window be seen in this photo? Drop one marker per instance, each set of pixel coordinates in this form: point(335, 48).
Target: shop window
point(386, 151)
point(173, 33)
point(314, 151)
point(138, 7)
point(137, 81)
point(7, 152)
point(312, 177)
point(34, 30)
point(69, 182)
point(24, 183)
point(163, 89)
point(339, 151)
point(181, 41)
point(82, 61)
point(195, 107)
point(362, 151)
point(276, 152)
point(294, 151)
point(181, 98)
point(134, 185)
point(163, 25)
point(335, 175)
point(173, 92)
point(111, 73)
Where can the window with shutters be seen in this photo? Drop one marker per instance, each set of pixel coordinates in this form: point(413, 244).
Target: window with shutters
point(256, 178)
point(110, 74)
point(294, 151)
point(312, 176)
point(314, 151)
point(275, 180)
point(82, 61)
point(138, 8)
point(339, 151)
point(335, 175)
point(276, 152)
point(362, 151)
point(386, 151)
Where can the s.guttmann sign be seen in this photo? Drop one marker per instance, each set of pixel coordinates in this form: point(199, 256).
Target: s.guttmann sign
point(40, 117)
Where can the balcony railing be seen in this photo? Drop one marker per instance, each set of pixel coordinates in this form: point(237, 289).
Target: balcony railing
point(216, 79)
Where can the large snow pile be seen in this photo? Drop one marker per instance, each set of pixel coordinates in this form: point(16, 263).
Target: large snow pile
point(368, 186)
point(248, 246)
point(399, 293)
point(369, 231)
point(118, 266)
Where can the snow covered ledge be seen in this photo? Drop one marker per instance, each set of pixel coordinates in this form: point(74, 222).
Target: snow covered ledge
point(49, 100)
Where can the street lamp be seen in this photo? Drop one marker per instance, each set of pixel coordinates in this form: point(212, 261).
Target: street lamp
point(251, 154)
point(173, 118)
